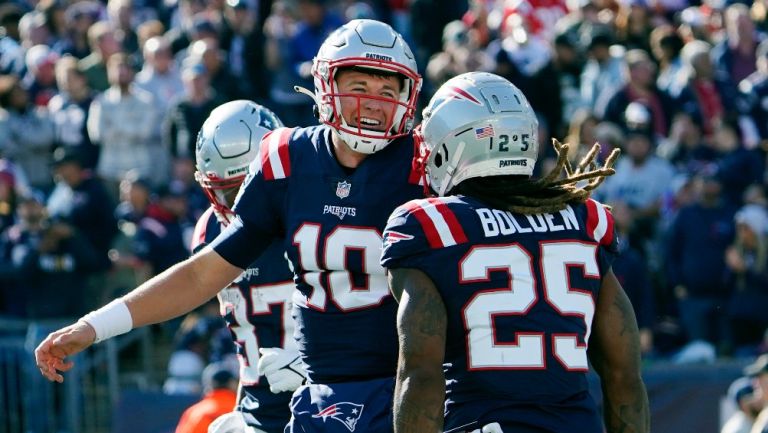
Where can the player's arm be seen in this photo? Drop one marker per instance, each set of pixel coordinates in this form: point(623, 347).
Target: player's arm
point(421, 328)
point(614, 351)
point(172, 293)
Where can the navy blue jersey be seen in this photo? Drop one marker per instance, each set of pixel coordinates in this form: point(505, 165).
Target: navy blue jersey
point(520, 293)
point(257, 308)
point(332, 221)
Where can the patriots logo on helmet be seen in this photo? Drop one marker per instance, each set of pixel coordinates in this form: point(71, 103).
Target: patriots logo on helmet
point(345, 412)
point(393, 237)
point(459, 93)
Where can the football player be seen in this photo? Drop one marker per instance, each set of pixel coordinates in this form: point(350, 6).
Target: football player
point(503, 279)
point(257, 305)
point(327, 190)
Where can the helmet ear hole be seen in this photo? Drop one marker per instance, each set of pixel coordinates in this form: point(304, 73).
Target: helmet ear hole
point(438, 159)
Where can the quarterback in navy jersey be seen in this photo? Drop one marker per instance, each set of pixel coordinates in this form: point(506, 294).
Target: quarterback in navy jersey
point(327, 190)
point(505, 282)
point(257, 305)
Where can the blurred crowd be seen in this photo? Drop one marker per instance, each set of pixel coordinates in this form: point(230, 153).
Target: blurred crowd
point(101, 101)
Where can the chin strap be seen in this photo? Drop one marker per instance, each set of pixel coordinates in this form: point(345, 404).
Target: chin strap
point(419, 162)
point(305, 91)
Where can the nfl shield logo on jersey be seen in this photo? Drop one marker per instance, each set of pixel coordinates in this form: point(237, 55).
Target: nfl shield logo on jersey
point(344, 412)
point(342, 189)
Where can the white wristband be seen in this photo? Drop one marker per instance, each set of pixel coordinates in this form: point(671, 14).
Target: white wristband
point(110, 320)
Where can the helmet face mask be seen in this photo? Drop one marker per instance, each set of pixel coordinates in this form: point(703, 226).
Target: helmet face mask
point(226, 145)
point(476, 125)
point(371, 47)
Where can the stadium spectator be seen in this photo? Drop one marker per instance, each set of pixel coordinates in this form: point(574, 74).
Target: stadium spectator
point(40, 79)
point(640, 88)
point(642, 179)
point(685, 147)
point(159, 238)
point(207, 52)
point(734, 56)
point(603, 73)
point(737, 167)
point(122, 121)
point(29, 133)
point(665, 47)
point(753, 91)
point(8, 195)
point(11, 53)
point(747, 264)
point(69, 111)
point(120, 14)
point(242, 42)
point(630, 268)
point(220, 386)
point(81, 200)
point(33, 30)
point(460, 54)
point(47, 258)
point(102, 42)
point(80, 17)
point(315, 22)
point(187, 113)
point(696, 245)
point(708, 99)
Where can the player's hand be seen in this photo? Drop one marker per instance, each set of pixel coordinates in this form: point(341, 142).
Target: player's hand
point(51, 354)
point(282, 368)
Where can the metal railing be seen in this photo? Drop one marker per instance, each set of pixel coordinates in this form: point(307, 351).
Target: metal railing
point(83, 403)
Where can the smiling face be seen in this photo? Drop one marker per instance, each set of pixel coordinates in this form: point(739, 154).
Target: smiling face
point(373, 114)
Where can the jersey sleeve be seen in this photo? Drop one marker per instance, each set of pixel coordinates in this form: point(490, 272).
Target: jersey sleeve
point(259, 206)
point(201, 234)
point(404, 239)
point(601, 229)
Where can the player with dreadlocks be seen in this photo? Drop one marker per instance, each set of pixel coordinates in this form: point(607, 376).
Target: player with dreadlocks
point(504, 282)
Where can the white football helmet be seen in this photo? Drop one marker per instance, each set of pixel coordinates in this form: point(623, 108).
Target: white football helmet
point(226, 145)
point(477, 124)
point(368, 45)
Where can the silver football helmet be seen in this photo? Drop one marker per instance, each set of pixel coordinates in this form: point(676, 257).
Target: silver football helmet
point(477, 124)
point(368, 45)
point(226, 145)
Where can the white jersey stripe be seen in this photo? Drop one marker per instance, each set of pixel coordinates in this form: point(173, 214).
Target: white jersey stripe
point(602, 222)
point(274, 156)
point(440, 224)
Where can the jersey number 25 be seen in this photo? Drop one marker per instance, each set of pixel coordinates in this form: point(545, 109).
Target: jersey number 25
point(528, 351)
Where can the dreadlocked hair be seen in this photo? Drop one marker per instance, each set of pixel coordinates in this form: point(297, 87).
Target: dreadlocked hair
point(548, 194)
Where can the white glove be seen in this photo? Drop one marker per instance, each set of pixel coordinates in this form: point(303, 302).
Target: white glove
point(282, 368)
point(493, 427)
point(232, 422)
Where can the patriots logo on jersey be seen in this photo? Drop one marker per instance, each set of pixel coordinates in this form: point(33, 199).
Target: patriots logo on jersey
point(345, 412)
point(393, 237)
point(342, 189)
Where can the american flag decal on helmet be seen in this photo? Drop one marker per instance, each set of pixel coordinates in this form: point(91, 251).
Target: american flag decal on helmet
point(484, 132)
point(345, 412)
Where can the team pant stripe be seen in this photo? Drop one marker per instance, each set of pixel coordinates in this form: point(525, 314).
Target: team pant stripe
point(430, 231)
point(450, 218)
